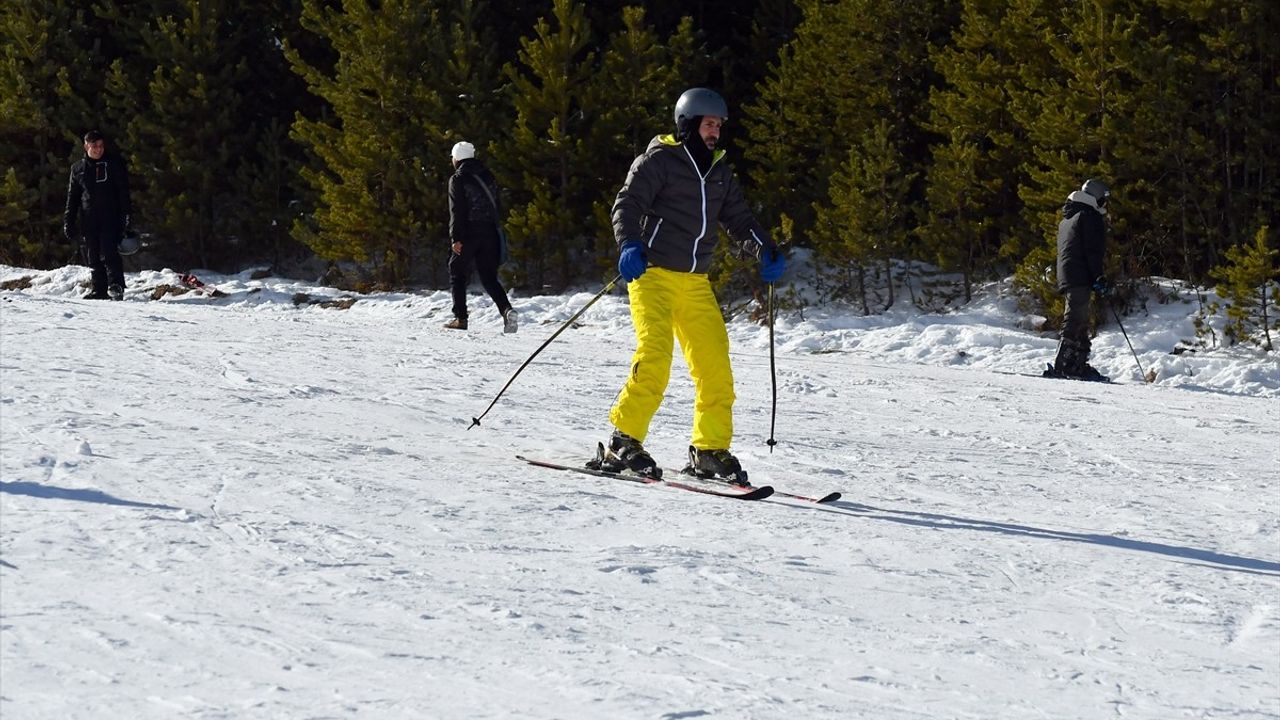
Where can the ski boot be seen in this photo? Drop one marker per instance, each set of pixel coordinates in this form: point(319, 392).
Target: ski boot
point(1090, 373)
point(716, 465)
point(624, 453)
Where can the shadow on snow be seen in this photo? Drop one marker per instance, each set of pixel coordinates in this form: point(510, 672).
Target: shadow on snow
point(950, 522)
point(31, 489)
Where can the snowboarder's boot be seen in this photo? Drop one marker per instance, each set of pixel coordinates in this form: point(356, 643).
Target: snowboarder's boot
point(625, 453)
point(716, 465)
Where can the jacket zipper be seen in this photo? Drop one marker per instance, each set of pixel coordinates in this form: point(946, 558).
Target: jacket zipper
point(702, 189)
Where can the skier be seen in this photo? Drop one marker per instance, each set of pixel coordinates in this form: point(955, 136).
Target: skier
point(1082, 244)
point(665, 221)
point(473, 236)
point(99, 188)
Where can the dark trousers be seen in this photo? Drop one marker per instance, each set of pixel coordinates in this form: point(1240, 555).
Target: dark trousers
point(102, 254)
point(1073, 350)
point(482, 254)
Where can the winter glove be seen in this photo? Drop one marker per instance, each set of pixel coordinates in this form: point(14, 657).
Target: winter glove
point(772, 264)
point(1100, 287)
point(631, 261)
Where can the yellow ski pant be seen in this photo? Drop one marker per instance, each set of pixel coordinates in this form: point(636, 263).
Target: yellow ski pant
point(668, 306)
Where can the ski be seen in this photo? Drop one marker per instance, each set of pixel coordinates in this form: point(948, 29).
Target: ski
point(691, 484)
point(828, 498)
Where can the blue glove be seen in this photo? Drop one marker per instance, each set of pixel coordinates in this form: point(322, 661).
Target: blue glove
point(631, 261)
point(1100, 286)
point(772, 264)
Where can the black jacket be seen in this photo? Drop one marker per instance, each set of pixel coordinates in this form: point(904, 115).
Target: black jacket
point(668, 205)
point(472, 216)
point(99, 189)
point(1082, 243)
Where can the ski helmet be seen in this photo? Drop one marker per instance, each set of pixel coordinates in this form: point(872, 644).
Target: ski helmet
point(697, 102)
point(129, 244)
point(463, 151)
point(1097, 189)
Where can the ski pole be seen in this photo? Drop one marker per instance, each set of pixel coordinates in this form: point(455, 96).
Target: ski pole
point(773, 375)
point(1126, 339)
point(476, 420)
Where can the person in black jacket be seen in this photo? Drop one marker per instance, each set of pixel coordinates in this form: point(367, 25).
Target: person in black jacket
point(473, 236)
point(1082, 246)
point(98, 205)
point(665, 220)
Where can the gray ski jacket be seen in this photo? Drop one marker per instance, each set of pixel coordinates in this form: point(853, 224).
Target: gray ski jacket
point(669, 206)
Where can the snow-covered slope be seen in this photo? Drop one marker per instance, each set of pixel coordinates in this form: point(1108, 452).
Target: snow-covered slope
point(243, 507)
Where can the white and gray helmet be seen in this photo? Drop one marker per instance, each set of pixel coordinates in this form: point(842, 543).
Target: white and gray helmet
point(1097, 189)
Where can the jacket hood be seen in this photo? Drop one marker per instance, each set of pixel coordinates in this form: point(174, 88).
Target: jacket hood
point(1078, 201)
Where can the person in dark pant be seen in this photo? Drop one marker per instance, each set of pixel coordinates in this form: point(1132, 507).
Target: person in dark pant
point(1082, 246)
point(473, 235)
point(98, 206)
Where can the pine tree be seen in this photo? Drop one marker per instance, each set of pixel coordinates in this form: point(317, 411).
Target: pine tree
point(268, 198)
point(813, 111)
point(1248, 282)
point(975, 216)
point(549, 221)
point(866, 224)
point(629, 101)
point(477, 109)
point(1067, 106)
point(1242, 61)
point(378, 147)
point(197, 91)
point(48, 64)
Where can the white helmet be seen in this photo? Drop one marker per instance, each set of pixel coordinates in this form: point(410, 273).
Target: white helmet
point(463, 151)
point(1098, 189)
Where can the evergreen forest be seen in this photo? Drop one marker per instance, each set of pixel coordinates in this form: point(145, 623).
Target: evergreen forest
point(876, 133)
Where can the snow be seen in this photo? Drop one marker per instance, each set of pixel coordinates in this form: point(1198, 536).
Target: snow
point(247, 507)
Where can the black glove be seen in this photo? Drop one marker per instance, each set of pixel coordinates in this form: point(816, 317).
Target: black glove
point(1100, 286)
point(69, 232)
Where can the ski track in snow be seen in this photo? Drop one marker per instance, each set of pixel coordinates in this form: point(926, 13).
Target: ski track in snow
point(228, 509)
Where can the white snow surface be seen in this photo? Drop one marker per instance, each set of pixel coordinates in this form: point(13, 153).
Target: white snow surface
point(241, 507)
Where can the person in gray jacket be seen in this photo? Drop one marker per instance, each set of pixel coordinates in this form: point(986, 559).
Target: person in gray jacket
point(665, 220)
point(1082, 246)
